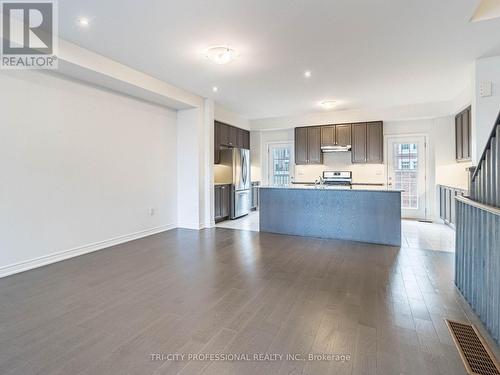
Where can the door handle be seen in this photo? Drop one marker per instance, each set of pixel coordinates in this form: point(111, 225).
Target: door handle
point(244, 169)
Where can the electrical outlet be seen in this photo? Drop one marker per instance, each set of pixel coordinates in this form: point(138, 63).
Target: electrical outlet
point(151, 212)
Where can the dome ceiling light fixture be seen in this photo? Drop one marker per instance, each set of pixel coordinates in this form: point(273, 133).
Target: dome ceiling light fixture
point(221, 54)
point(83, 21)
point(328, 104)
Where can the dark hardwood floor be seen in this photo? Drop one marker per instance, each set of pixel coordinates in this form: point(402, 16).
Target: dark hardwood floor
point(229, 291)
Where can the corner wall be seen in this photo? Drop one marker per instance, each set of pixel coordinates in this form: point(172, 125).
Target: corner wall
point(195, 128)
point(485, 109)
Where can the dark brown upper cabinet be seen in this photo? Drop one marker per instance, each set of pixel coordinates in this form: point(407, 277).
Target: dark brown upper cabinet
point(375, 142)
point(328, 138)
point(229, 136)
point(336, 135)
point(343, 134)
point(308, 145)
point(358, 151)
point(463, 135)
point(301, 146)
point(367, 143)
point(246, 139)
point(314, 153)
point(223, 133)
point(233, 136)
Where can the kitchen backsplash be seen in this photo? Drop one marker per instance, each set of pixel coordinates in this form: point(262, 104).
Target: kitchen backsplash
point(341, 161)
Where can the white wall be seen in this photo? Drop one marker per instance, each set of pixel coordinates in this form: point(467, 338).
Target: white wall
point(231, 118)
point(80, 169)
point(448, 171)
point(207, 162)
point(255, 155)
point(401, 113)
point(485, 110)
point(189, 171)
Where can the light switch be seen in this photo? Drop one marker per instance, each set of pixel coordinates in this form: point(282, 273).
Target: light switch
point(485, 89)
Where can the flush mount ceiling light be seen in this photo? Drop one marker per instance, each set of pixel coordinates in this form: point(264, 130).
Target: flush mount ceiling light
point(328, 104)
point(221, 54)
point(83, 21)
point(307, 74)
point(215, 89)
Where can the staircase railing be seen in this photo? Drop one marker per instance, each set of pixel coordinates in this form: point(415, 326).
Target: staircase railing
point(484, 184)
point(477, 256)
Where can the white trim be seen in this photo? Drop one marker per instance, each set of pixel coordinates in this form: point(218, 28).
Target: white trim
point(70, 253)
point(190, 225)
point(427, 164)
point(292, 157)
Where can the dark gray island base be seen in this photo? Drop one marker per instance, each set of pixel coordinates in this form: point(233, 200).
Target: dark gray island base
point(364, 215)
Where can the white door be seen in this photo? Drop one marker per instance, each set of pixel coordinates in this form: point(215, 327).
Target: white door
point(406, 170)
point(280, 163)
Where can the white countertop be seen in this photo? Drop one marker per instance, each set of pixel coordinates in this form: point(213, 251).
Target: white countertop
point(333, 187)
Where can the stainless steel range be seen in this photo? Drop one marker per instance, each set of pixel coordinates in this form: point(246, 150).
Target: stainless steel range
point(337, 178)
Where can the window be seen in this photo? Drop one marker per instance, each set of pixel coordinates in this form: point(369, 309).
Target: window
point(406, 173)
point(280, 164)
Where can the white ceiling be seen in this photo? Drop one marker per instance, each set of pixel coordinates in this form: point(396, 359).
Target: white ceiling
point(363, 53)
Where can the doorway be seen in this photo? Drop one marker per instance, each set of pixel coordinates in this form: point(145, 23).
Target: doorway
point(280, 163)
point(407, 170)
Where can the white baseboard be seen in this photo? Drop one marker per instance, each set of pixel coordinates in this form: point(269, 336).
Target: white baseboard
point(66, 254)
point(189, 225)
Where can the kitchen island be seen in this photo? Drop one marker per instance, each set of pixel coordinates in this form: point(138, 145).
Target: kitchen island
point(358, 213)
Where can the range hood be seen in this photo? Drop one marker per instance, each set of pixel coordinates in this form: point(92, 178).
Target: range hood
point(335, 148)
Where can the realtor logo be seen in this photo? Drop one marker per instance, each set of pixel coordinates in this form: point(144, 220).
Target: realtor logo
point(29, 37)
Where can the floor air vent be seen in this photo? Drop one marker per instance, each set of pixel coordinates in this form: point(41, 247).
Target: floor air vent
point(476, 355)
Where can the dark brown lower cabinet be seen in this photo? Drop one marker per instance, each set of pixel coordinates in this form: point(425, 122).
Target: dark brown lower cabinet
point(221, 202)
point(447, 196)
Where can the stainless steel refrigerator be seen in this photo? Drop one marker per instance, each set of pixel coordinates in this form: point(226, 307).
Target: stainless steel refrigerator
point(236, 165)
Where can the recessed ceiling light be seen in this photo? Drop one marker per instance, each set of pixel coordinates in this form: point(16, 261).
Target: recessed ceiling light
point(328, 104)
point(221, 54)
point(83, 21)
point(307, 74)
point(215, 89)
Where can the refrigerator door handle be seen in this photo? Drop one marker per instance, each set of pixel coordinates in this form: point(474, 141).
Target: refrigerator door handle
point(244, 169)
